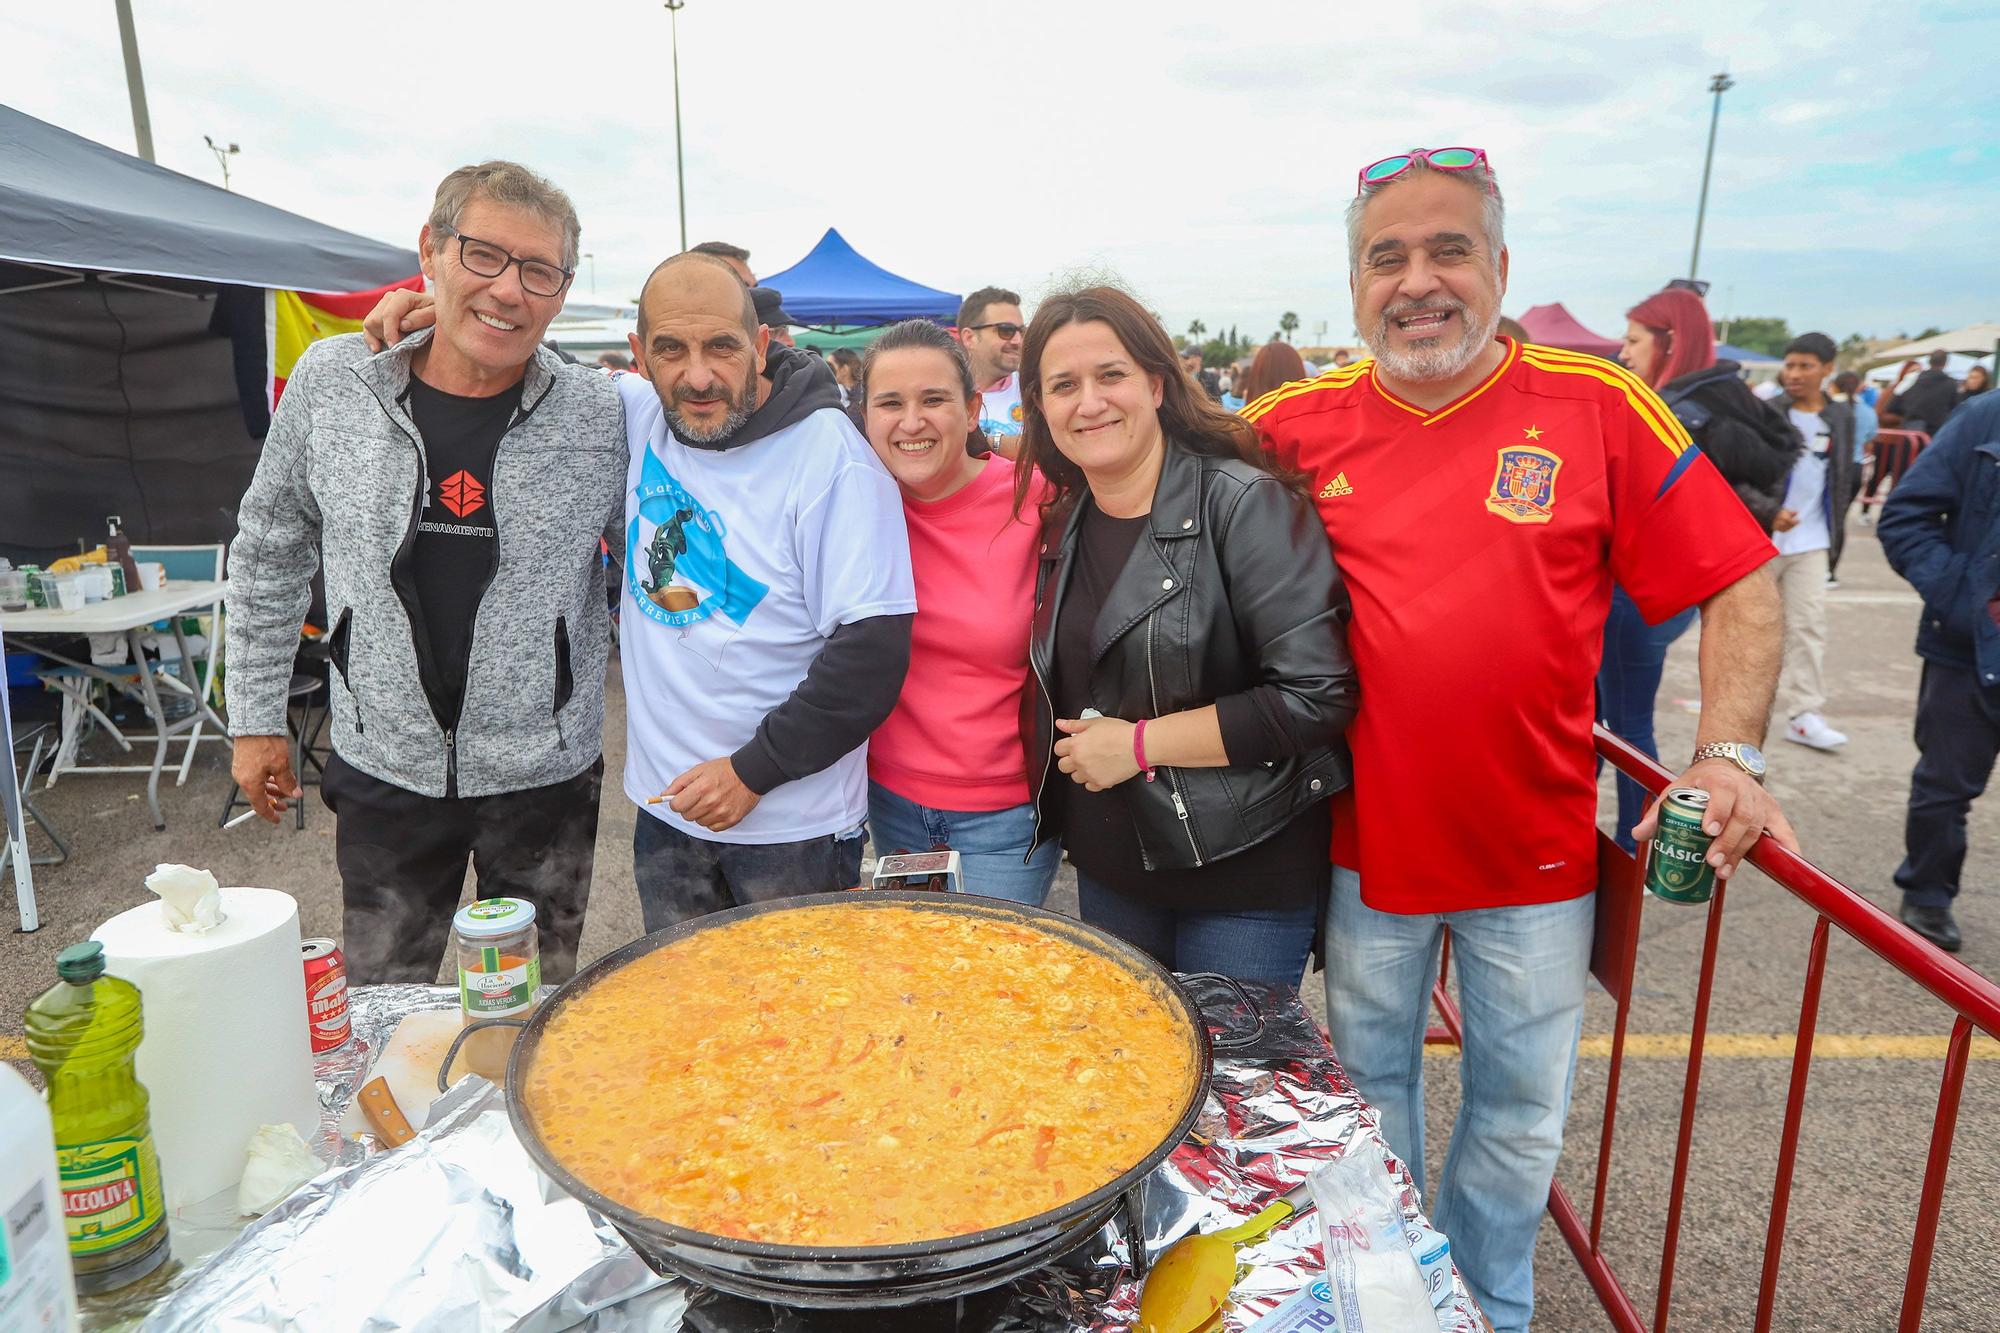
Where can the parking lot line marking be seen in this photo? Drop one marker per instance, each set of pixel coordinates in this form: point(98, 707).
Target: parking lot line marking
point(1861, 598)
point(1777, 1046)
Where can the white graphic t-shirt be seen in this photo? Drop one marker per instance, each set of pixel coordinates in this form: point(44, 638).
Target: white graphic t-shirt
point(1805, 489)
point(1000, 410)
point(739, 564)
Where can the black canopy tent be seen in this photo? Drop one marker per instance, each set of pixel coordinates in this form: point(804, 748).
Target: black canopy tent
point(133, 361)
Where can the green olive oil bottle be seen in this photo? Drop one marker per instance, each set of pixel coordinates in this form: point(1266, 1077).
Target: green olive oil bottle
point(83, 1034)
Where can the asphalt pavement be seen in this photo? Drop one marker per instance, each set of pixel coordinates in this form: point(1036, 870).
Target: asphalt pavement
point(1869, 1107)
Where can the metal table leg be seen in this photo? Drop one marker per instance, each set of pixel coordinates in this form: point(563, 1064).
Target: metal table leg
point(204, 712)
point(203, 709)
point(159, 716)
point(29, 809)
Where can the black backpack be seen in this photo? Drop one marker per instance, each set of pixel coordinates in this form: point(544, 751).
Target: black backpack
point(1750, 441)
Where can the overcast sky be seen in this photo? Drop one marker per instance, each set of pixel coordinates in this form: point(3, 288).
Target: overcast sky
point(1200, 153)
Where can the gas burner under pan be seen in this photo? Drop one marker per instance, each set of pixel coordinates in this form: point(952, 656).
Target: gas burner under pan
point(993, 1311)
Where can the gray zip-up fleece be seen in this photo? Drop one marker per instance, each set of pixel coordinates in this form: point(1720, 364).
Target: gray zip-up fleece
point(342, 479)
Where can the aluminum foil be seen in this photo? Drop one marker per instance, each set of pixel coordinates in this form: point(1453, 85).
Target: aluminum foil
point(455, 1230)
point(1276, 1110)
point(458, 1230)
point(197, 1232)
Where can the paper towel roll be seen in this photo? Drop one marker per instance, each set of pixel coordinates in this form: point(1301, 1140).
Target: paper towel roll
point(226, 1047)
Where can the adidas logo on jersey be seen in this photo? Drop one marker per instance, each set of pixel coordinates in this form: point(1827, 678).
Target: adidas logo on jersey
point(1338, 486)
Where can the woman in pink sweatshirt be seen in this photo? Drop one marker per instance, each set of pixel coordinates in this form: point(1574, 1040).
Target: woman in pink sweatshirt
point(948, 767)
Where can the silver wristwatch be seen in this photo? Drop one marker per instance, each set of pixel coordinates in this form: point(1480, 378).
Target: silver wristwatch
point(1740, 753)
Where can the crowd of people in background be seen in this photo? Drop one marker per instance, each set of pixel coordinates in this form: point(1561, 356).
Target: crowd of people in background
point(1028, 588)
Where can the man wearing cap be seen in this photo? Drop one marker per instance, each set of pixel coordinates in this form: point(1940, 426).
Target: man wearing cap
point(771, 313)
point(992, 329)
point(1209, 380)
point(1537, 478)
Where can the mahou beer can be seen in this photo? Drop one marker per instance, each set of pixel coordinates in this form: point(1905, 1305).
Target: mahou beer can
point(1678, 869)
point(326, 996)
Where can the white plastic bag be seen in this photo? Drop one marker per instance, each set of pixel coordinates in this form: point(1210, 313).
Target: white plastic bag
point(1377, 1284)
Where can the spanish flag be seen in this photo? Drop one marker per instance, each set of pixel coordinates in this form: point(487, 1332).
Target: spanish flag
point(295, 321)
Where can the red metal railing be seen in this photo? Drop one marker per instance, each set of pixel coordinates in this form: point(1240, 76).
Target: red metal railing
point(1973, 998)
point(1894, 451)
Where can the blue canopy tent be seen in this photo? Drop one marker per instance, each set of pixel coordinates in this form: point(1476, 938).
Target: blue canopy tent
point(835, 287)
point(1744, 357)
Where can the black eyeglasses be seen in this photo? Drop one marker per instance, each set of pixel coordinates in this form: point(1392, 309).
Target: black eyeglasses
point(490, 261)
point(1008, 330)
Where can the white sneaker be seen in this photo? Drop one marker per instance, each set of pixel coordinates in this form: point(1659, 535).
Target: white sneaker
point(1811, 729)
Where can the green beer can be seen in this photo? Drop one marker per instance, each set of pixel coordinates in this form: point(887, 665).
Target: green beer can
point(1678, 868)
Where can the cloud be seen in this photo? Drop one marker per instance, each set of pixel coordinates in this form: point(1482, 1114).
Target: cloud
point(1804, 113)
point(1205, 155)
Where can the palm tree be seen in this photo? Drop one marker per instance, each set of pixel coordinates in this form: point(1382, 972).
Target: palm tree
point(1195, 329)
point(1288, 322)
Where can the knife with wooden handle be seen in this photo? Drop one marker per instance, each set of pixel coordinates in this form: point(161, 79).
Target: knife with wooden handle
point(379, 1109)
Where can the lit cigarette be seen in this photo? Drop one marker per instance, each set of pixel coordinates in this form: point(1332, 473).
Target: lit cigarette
point(247, 814)
point(655, 800)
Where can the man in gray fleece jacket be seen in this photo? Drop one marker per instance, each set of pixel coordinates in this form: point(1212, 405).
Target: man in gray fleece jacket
point(454, 488)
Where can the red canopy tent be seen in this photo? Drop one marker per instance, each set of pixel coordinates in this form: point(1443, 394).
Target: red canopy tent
point(1553, 326)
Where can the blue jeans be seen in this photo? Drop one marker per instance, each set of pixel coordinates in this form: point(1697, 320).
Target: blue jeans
point(681, 877)
point(992, 845)
point(1628, 684)
point(1521, 978)
point(1256, 944)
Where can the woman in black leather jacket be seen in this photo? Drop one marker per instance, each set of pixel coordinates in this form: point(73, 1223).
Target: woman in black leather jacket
point(1191, 676)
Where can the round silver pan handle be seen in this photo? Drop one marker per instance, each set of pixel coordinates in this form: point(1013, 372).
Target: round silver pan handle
point(1227, 1042)
point(467, 1031)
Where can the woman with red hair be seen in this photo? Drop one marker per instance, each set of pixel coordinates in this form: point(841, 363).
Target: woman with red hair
point(1277, 363)
point(1670, 344)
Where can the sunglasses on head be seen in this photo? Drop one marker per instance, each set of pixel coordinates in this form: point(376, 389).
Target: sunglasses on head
point(1439, 159)
point(1007, 329)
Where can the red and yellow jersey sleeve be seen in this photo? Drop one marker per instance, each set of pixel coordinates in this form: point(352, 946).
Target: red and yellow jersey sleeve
point(1279, 414)
point(1679, 534)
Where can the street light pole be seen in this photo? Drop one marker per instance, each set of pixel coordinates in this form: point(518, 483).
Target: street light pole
point(1719, 85)
point(135, 82)
point(593, 271)
point(674, 8)
point(222, 155)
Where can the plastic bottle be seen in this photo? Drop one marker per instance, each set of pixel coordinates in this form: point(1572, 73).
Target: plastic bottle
point(36, 1289)
point(83, 1034)
point(118, 551)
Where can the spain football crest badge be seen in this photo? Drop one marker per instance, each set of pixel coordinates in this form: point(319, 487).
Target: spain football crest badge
point(1524, 485)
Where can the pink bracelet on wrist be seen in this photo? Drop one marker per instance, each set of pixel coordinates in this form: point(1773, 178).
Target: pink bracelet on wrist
point(1139, 748)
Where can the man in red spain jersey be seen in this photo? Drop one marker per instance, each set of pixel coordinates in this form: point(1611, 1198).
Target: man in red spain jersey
point(1482, 495)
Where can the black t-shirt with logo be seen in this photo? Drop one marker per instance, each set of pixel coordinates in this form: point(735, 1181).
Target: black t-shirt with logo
point(457, 538)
